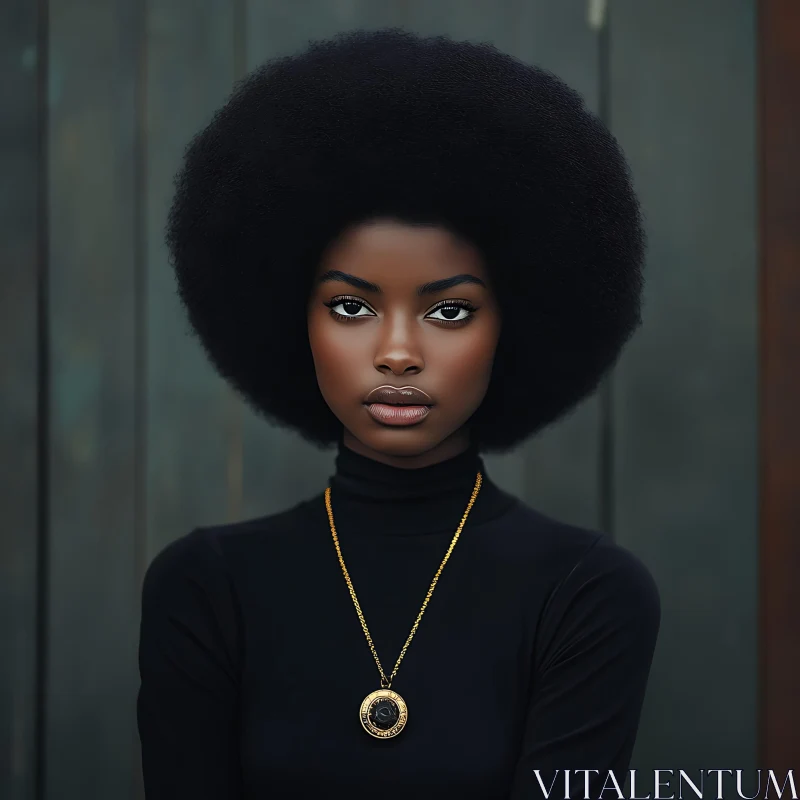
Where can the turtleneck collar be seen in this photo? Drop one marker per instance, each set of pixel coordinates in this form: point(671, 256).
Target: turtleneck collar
point(373, 498)
point(361, 475)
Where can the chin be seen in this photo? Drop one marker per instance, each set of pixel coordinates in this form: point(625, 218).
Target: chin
point(400, 441)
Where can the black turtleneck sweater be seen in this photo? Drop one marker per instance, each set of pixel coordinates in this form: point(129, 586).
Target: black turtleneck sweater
point(533, 653)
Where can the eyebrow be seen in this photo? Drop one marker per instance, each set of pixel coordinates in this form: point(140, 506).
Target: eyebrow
point(426, 288)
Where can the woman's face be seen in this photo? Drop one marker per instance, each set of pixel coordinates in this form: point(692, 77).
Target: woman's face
point(379, 316)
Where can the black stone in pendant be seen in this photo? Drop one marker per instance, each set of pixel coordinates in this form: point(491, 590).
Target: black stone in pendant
point(384, 713)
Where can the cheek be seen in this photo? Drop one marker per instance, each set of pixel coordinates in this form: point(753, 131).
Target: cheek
point(335, 353)
point(330, 353)
point(476, 344)
point(467, 362)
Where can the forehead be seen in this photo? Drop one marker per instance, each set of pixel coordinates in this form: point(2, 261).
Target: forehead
point(393, 253)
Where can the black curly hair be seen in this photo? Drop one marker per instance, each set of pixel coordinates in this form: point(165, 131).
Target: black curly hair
point(390, 124)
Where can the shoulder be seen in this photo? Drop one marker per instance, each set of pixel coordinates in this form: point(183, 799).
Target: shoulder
point(607, 595)
point(618, 571)
point(572, 554)
point(597, 601)
point(188, 567)
point(205, 554)
point(571, 572)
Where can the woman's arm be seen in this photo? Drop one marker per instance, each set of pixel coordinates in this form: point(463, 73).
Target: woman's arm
point(187, 706)
point(595, 647)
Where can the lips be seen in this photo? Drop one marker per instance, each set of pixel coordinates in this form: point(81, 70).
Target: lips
point(399, 396)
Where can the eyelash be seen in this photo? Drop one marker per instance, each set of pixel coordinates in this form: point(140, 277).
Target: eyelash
point(444, 304)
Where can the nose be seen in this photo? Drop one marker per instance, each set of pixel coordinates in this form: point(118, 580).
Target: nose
point(398, 349)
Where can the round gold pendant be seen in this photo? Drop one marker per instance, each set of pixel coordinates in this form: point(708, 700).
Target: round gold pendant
point(383, 714)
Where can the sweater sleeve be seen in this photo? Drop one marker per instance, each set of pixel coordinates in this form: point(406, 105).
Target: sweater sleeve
point(597, 639)
point(187, 705)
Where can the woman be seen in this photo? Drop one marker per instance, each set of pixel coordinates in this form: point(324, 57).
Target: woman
point(416, 250)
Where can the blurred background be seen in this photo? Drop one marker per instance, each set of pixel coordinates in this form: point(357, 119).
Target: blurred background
point(117, 437)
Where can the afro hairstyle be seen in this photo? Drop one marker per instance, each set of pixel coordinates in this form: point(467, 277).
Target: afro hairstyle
point(422, 129)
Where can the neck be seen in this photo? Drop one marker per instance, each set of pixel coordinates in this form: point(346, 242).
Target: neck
point(369, 497)
point(455, 444)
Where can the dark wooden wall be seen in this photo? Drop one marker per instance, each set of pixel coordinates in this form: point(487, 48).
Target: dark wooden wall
point(117, 437)
point(779, 396)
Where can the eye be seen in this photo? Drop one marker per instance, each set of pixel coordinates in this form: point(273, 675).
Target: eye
point(450, 313)
point(350, 308)
point(454, 312)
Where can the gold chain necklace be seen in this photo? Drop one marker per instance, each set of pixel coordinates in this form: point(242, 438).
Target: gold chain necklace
point(384, 713)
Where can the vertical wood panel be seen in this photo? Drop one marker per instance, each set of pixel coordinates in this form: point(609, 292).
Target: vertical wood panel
point(192, 427)
point(93, 249)
point(682, 104)
point(779, 61)
point(558, 470)
point(190, 72)
point(19, 234)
